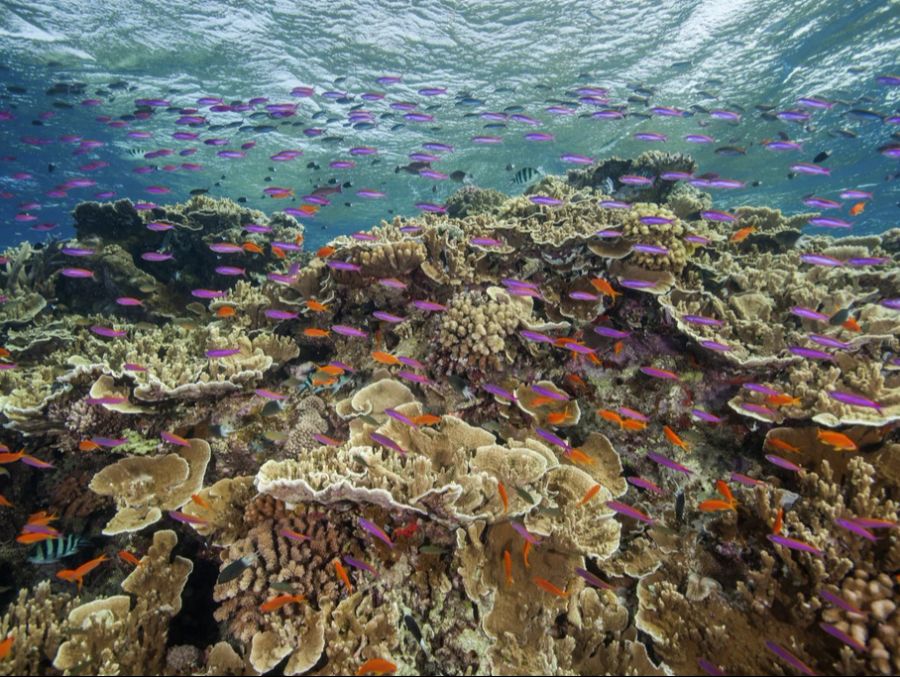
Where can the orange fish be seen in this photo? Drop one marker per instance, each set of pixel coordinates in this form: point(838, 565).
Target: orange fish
point(851, 324)
point(77, 575)
point(126, 556)
point(605, 288)
point(316, 307)
point(5, 647)
point(10, 457)
point(742, 234)
point(782, 445)
point(406, 531)
point(325, 252)
point(578, 456)
point(226, 311)
point(504, 497)
point(252, 247)
point(540, 401)
point(725, 491)
point(33, 537)
point(544, 584)
point(782, 399)
point(376, 666)
point(714, 505)
point(634, 424)
point(43, 518)
point(342, 574)
point(611, 416)
point(315, 333)
point(331, 380)
point(837, 440)
point(332, 370)
point(507, 566)
point(557, 417)
point(426, 419)
point(589, 494)
point(278, 251)
point(384, 358)
point(525, 550)
point(276, 603)
point(673, 437)
point(309, 210)
point(5, 353)
point(617, 347)
point(199, 500)
point(776, 525)
point(5, 502)
point(857, 209)
point(576, 380)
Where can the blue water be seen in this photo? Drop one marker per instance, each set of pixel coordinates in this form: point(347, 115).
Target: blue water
point(730, 55)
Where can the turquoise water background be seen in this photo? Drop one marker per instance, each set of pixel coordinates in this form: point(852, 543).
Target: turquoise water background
point(733, 55)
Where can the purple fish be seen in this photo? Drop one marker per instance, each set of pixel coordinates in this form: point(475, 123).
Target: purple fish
point(576, 159)
point(583, 296)
point(794, 544)
point(545, 200)
point(578, 348)
point(109, 442)
point(650, 136)
point(524, 533)
point(709, 668)
point(715, 345)
point(629, 511)
point(344, 330)
point(324, 439)
point(702, 320)
point(592, 579)
point(790, 658)
point(636, 284)
point(614, 204)
point(387, 317)
point(77, 273)
point(820, 202)
point(270, 394)
point(758, 409)
point(222, 352)
point(552, 394)
point(635, 180)
point(231, 271)
point(808, 314)
point(375, 531)
point(856, 529)
point(539, 136)
point(429, 306)
point(841, 602)
point(820, 260)
point(893, 304)
point(759, 388)
point(386, 442)
point(208, 293)
point(156, 257)
point(699, 138)
point(226, 248)
point(811, 353)
point(660, 373)
point(609, 332)
point(77, 251)
point(108, 332)
point(675, 176)
point(608, 233)
point(275, 314)
point(397, 416)
point(806, 168)
point(411, 362)
point(414, 378)
point(498, 392)
point(854, 400)
point(867, 260)
point(714, 215)
point(669, 463)
point(843, 637)
point(159, 226)
point(553, 439)
point(486, 242)
point(747, 481)
point(343, 265)
point(358, 564)
point(644, 483)
point(828, 341)
point(174, 439)
point(650, 249)
point(431, 207)
point(705, 416)
point(537, 337)
point(829, 222)
point(783, 463)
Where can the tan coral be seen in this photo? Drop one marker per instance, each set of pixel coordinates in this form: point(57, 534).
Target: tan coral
point(145, 486)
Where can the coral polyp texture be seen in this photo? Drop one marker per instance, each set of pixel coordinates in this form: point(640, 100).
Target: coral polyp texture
point(516, 436)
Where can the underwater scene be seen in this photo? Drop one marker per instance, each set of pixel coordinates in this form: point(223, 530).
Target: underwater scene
point(450, 338)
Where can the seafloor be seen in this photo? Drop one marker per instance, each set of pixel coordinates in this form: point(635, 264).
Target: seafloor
point(480, 442)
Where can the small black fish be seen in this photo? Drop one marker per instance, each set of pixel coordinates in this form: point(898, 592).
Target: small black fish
point(235, 568)
point(458, 175)
point(50, 167)
point(731, 151)
point(528, 498)
point(840, 316)
point(821, 157)
point(679, 505)
point(413, 628)
point(242, 200)
point(199, 191)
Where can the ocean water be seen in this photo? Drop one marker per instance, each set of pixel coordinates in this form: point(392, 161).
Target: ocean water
point(586, 427)
point(523, 56)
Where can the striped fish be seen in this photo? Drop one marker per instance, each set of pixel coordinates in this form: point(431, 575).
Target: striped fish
point(525, 175)
point(56, 549)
